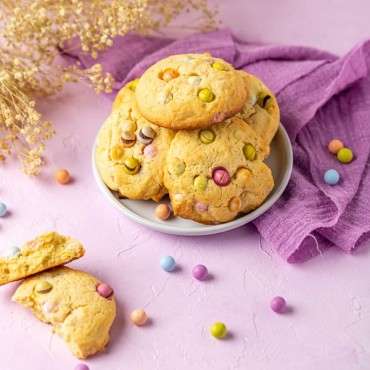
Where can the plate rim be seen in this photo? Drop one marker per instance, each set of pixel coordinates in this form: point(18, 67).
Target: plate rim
point(166, 228)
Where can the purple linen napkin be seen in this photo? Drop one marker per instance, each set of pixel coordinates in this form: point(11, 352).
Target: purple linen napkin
point(321, 97)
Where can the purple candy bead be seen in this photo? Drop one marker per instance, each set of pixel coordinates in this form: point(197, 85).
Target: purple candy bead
point(278, 304)
point(200, 272)
point(81, 367)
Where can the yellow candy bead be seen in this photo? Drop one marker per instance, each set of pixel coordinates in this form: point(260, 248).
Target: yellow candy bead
point(207, 136)
point(206, 95)
point(200, 183)
point(218, 330)
point(139, 317)
point(345, 155)
point(133, 84)
point(43, 287)
point(116, 152)
point(219, 66)
point(131, 166)
point(249, 152)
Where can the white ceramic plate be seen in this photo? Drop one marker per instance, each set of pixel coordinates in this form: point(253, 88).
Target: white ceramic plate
point(142, 211)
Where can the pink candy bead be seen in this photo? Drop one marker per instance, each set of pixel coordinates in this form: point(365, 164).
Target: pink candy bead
point(220, 176)
point(150, 151)
point(104, 290)
point(81, 367)
point(200, 272)
point(278, 304)
point(201, 207)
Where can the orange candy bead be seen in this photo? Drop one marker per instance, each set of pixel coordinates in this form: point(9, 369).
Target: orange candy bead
point(335, 145)
point(163, 212)
point(62, 176)
point(139, 317)
point(169, 74)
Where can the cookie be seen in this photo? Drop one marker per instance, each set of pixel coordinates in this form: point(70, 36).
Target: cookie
point(131, 151)
point(261, 110)
point(46, 251)
point(190, 91)
point(69, 300)
point(214, 174)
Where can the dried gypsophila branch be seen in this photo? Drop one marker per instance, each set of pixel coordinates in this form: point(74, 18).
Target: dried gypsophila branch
point(29, 49)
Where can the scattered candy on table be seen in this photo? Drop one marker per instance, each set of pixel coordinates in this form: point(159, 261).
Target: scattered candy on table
point(81, 367)
point(62, 176)
point(331, 177)
point(200, 272)
point(3, 209)
point(104, 290)
point(168, 263)
point(335, 145)
point(345, 155)
point(139, 317)
point(10, 252)
point(278, 304)
point(163, 211)
point(218, 330)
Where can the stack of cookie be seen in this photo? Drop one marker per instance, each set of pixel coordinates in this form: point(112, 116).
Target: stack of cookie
point(80, 308)
point(193, 127)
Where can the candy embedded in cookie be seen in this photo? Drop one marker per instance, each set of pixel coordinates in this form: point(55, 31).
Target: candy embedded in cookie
point(80, 308)
point(42, 253)
point(190, 91)
point(261, 110)
point(213, 175)
point(131, 151)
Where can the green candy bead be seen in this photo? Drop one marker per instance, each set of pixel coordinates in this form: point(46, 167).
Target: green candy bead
point(207, 136)
point(206, 95)
point(218, 330)
point(200, 183)
point(219, 66)
point(178, 167)
point(345, 155)
point(131, 165)
point(249, 152)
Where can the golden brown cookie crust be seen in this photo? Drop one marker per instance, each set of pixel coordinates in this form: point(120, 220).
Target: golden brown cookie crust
point(72, 306)
point(190, 164)
point(44, 252)
point(112, 152)
point(174, 102)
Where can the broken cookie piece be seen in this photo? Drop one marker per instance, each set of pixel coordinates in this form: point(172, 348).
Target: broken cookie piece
point(42, 253)
point(80, 308)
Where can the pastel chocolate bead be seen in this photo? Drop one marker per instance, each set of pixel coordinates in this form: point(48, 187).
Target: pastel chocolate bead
point(207, 136)
point(104, 290)
point(165, 97)
point(201, 207)
point(200, 183)
point(263, 100)
point(62, 176)
point(169, 74)
point(116, 152)
point(235, 204)
point(335, 145)
point(128, 139)
point(163, 212)
point(128, 126)
point(219, 66)
point(133, 84)
point(3, 209)
point(278, 304)
point(221, 176)
point(150, 151)
point(10, 252)
point(345, 155)
point(249, 152)
point(43, 287)
point(200, 272)
point(206, 95)
point(331, 177)
point(218, 330)
point(81, 367)
point(131, 165)
point(194, 80)
point(139, 317)
point(178, 167)
point(146, 135)
point(168, 263)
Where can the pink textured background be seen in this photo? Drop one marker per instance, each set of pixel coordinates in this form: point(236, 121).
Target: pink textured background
point(330, 295)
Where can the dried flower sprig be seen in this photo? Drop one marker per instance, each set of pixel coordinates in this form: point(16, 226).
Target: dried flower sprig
point(32, 32)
